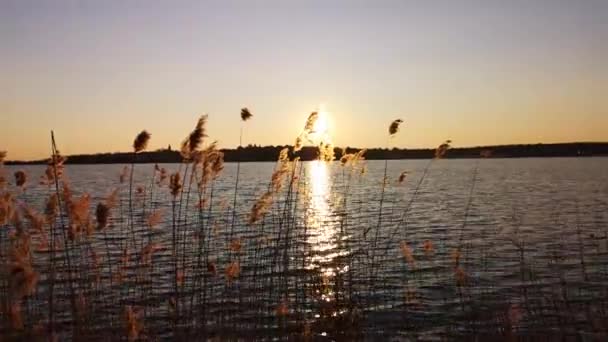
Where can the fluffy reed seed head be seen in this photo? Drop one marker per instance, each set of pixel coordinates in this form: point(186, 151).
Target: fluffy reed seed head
point(407, 253)
point(102, 215)
point(211, 268)
point(191, 144)
point(393, 128)
point(175, 184)
point(51, 208)
point(442, 149)
point(154, 218)
point(141, 141)
point(298, 145)
point(133, 323)
point(2, 156)
point(7, 208)
point(310, 122)
point(78, 215)
point(20, 178)
point(212, 161)
point(352, 159)
point(428, 247)
point(23, 279)
point(36, 220)
point(245, 114)
point(236, 245)
point(284, 155)
point(233, 270)
point(103, 210)
point(402, 176)
point(260, 207)
point(326, 152)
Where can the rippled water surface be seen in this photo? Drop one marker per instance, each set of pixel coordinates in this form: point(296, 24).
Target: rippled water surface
point(491, 248)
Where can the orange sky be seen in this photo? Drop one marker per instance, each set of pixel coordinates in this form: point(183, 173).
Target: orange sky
point(479, 73)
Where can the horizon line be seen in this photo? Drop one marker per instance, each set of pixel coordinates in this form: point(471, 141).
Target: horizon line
point(314, 146)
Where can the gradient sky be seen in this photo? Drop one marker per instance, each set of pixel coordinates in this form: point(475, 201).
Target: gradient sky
point(477, 72)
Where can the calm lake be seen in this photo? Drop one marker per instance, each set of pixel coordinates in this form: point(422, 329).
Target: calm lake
point(485, 247)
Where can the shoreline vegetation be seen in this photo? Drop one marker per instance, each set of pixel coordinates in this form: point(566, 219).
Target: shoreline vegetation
point(256, 153)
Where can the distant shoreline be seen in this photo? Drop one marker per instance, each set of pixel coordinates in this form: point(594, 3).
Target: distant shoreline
point(254, 153)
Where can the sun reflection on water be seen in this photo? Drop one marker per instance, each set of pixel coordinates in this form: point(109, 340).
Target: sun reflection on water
point(323, 235)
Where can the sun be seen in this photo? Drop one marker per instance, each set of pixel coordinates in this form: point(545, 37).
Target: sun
point(321, 126)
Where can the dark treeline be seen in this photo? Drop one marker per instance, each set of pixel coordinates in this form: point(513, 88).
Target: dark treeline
point(270, 153)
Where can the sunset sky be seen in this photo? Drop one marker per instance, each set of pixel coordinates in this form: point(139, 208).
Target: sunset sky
point(477, 72)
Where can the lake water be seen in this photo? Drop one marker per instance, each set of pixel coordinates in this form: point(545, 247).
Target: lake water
point(460, 248)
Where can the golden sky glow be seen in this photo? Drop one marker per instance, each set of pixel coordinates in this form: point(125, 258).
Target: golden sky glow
point(476, 72)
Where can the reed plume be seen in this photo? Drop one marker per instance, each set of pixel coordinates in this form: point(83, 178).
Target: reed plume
point(352, 158)
point(78, 210)
point(191, 144)
point(2, 156)
point(236, 245)
point(175, 184)
point(133, 323)
point(245, 114)
point(102, 212)
point(7, 208)
point(428, 247)
point(308, 128)
point(212, 164)
point(326, 152)
point(402, 176)
point(20, 178)
point(211, 268)
point(298, 145)
point(260, 207)
point(394, 127)
point(407, 253)
point(233, 270)
point(442, 149)
point(141, 141)
point(310, 122)
point(51, 208)
point(154, 218)
point(55, 167)
point(22, 277)
point(36, 220)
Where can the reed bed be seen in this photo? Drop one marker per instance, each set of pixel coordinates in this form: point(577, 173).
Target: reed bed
point(180, 255)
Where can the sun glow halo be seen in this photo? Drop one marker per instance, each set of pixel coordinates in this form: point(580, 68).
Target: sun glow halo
point(321, 126)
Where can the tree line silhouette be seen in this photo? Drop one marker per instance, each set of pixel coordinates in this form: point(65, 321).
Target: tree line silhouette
point(252, 153)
